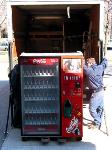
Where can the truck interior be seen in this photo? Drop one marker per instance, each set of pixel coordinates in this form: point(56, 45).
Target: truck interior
point(56, 28)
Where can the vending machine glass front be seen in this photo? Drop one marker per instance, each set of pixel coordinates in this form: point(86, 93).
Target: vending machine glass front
point(40, 96)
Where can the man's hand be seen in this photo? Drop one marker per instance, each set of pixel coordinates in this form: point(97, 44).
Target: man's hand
point(106, 57)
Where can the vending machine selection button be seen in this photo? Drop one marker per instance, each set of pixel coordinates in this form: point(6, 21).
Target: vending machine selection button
point(79, 89)
point(64, 92)
point(77, 85)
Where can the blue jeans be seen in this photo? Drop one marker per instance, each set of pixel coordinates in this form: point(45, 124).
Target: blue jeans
point(96, 106)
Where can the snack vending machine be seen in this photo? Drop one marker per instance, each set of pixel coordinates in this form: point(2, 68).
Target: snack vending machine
point(51, 95)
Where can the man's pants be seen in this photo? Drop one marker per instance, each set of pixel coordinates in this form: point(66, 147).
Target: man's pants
point(96, 106)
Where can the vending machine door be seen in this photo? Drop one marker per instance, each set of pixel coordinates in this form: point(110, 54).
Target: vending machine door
point(71, 96)
point(40, 96)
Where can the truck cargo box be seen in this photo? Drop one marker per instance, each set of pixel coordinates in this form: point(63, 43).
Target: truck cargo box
point(54, 28)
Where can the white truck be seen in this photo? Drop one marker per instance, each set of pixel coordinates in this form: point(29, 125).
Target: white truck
point(55, 26)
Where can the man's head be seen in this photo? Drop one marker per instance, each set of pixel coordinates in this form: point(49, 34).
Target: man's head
point(91, 61)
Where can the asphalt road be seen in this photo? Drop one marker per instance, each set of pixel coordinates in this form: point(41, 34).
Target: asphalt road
point(4, 93)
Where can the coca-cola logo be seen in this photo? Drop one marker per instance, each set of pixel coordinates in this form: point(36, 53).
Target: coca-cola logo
point(39, 61)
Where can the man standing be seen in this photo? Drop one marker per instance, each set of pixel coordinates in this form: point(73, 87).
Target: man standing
point(94, 74)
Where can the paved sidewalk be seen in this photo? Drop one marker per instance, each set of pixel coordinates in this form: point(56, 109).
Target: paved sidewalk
point(92, 140)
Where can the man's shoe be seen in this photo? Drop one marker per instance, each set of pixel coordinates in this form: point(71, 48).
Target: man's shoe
point(94, 126)
point(100, 126)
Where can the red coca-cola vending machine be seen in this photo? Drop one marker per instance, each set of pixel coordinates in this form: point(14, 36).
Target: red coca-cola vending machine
point(51, 95)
